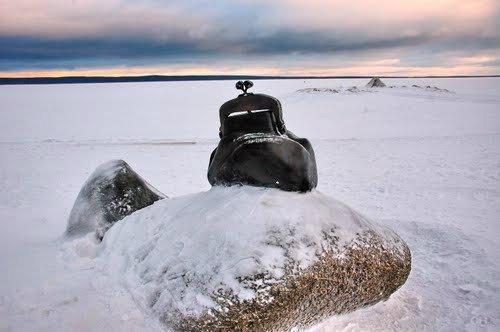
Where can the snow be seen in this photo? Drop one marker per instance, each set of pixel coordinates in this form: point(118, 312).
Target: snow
point(423, 162)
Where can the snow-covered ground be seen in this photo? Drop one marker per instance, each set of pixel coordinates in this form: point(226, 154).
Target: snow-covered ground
point(425, 163)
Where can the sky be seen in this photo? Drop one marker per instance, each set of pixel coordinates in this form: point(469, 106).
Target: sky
point(260, 37)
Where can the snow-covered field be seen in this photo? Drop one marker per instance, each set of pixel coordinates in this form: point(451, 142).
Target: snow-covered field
point(424, 162)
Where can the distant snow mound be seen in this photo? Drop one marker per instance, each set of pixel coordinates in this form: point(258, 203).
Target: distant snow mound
point(431, 88)
point(341, 90)
point(264, 259)
point(354, 89)
point(375, 82)
point(312, 90)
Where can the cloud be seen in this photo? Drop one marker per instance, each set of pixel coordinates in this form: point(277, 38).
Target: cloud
point(60, 19)
point(84, 33)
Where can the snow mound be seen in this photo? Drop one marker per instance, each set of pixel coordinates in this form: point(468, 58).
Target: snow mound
point(175, 255)
point(431, 88)
point(354, 90)
point(314, 90)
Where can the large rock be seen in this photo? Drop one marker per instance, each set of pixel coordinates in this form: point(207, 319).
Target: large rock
point(112, 192)
point(245, 258)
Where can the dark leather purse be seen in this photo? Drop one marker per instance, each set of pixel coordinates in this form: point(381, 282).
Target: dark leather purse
point(256, 148)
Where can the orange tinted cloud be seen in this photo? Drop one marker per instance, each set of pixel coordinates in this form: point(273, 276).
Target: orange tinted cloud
point(477, 65)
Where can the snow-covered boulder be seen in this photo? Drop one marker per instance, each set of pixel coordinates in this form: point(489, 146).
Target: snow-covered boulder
point(246, 258)
point(112, 192)
point(375, 82)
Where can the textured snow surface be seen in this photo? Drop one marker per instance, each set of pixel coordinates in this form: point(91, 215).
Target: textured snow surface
point(423, 162)
point(179, 251)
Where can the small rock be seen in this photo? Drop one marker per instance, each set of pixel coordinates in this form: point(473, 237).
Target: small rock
point(112, 192)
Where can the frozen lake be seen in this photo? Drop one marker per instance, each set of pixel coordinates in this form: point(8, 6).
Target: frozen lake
point(423, 161)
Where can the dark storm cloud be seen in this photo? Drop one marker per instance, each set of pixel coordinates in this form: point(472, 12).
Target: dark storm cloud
point(31, 48)
point(308, 42)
